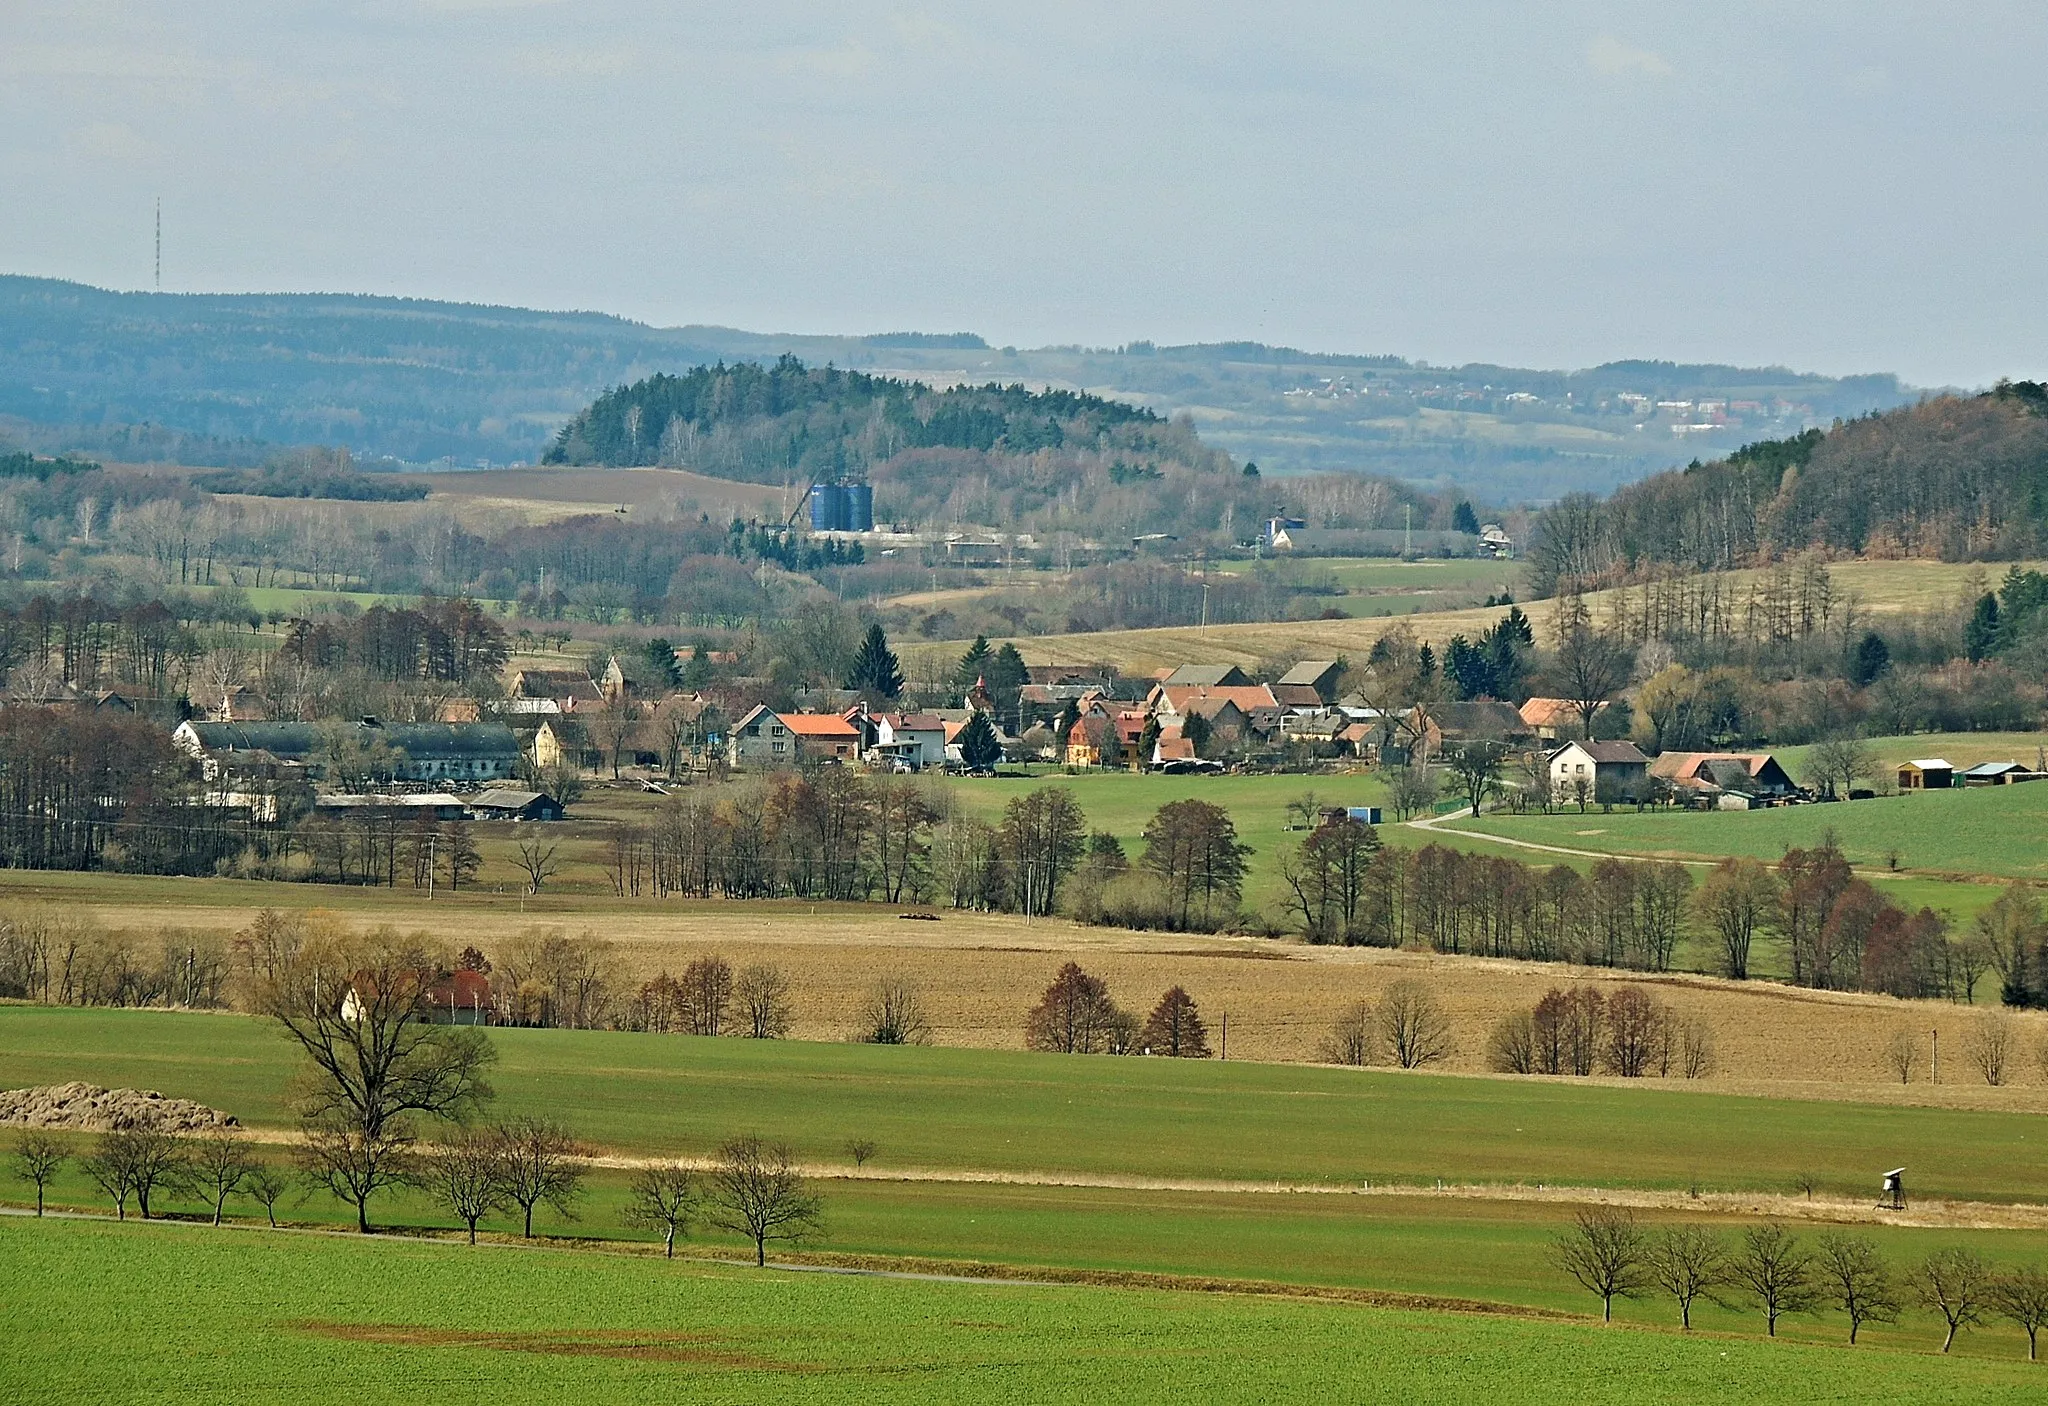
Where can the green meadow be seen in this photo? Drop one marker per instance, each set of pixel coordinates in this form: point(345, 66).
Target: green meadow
point(962, 1110)
point(105, 1313)
point(1990, 831)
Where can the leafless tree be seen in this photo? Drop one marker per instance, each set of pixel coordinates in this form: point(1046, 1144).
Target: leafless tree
point(706, 990)
point(540, 1163)
point(1956, 1284)
point(894, 1014)
point(1511, 1044)
point(1837, 764)
point(1353, 1037)
point(761, 992)
point(1857, 1280)
point(1992, 1046)
point(352, 1164)
point(1074, 1015)
point(1902, 1054)
point(663, 1197)
point(357, 1007)
point(536, 858)
point(1638, 1032)
point(1687, 1261)
point(860, 1149)
point(1413, 789)
point(138, 1161)
point(1738, 900)
point(217, 1165)
point(1413, 1026)
point(1776, 1271)
point(757, 1191)
point(1605, 1250)
point(2021, 1296)
point(1590, 668)
point(267, 1184)
point(467, 1173)
point(37, 1158)
point(1695, 1047)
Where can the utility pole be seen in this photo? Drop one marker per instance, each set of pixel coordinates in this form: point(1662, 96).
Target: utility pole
point(159, 244)
point(433, 862)
point(1408, 533)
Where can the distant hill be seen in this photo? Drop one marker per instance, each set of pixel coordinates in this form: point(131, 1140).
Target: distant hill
point(1953, 477)
point(1046, 460)
point(207, 378)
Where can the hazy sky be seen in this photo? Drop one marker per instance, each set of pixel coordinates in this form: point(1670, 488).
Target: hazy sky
point(1838, 187)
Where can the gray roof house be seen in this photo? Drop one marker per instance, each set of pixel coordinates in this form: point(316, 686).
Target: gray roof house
point(425, 751)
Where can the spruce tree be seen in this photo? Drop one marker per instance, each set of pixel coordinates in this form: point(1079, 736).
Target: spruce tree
point(972, 663)
point(980, 749)
point(875, 670)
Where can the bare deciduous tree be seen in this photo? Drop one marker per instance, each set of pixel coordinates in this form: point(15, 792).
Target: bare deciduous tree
point(1511, 1044)
point(761, 993)
point(757, 1192)
point(1353, 1037)
point(37, 1157)
point(1858, 1280)
point(2021, 1296)
point(266, 1185)
point(706, 989)
point(138, 1161)
point(1902, 1054)
point(536, 858)
point(1413, 1026)
point(540, 1163)
point(1638, 1032)
point(860, 1149)
point(1776, 1271)
point(1956, 1284)
point(1695, 1047)
point(663, 1197)
point(468, 1175)
point(1687, 1261)
point(357, 1007)
point(1738, 900)
point(894, 1014)
point(217, 1165)
point(1991, 1047)
point(1606, 1252)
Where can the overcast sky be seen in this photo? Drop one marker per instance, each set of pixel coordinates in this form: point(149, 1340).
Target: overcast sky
point(1837, 187)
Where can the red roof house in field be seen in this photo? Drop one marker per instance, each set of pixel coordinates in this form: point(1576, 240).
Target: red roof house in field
point(823, 736)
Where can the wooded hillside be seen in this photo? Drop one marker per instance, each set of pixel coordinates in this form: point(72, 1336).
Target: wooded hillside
point(988, 454)
point(1953, 477)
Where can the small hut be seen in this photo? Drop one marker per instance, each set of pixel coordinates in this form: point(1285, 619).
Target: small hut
point(1926, 774)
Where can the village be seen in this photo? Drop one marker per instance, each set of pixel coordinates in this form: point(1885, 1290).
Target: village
point(529, 754)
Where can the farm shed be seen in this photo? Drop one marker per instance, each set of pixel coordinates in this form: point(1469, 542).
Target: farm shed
point(503, 803)
point(1926, 774)
point(1999, 774)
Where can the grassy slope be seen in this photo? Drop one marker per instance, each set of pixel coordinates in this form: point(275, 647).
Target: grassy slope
point(992, 1110)
point(1986, 831)
point(1882, 587)
point(133, 1313)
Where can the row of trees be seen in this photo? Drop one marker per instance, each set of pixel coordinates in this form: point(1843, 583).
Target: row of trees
point(1609, 1253)
point(837, 834)
point(751, 1187)
point(1630, 1034)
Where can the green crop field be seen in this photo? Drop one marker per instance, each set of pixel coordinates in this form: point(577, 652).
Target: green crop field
point(188, 1313)
point(961, 1110)
point(1121, 802)
point(1989, 831)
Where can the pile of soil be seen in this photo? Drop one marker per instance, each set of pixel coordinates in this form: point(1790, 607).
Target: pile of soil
point(94, 1109)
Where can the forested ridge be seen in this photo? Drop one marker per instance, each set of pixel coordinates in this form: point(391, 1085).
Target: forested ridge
point(991, 454)
point(1952, 477)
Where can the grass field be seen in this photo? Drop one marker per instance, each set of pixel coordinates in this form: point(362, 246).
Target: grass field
point(962, 1111)
point(149, 1313)
point(1993, 831)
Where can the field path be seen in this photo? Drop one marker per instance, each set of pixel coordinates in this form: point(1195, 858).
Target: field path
point(1432, 823)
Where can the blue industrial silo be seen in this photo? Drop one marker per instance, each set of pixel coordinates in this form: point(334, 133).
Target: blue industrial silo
point(828, 508)
point(859, 501)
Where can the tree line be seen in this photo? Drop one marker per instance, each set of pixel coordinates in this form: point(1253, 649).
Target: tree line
point(1771, 1270)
